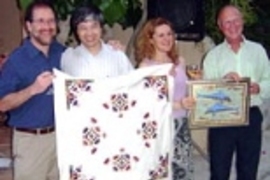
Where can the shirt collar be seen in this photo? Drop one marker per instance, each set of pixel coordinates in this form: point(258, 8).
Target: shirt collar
point(241, 44)
point(86, 51)
point(34, 51)
point(31, 49)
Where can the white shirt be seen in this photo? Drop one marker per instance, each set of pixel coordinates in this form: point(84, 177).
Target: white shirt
point(79, 62)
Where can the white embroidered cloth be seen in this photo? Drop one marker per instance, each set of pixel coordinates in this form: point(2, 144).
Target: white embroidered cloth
point(117, 128)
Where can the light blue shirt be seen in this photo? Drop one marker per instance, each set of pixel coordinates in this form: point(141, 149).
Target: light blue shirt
point(250, 61)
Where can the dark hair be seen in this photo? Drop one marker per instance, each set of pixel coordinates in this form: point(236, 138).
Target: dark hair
point(28, 16)
point(82, 14)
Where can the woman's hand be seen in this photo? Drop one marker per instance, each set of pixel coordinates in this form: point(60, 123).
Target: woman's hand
point(188, 103)
point(185, 103)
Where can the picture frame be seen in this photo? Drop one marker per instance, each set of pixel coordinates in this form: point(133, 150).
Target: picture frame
point(219, 103)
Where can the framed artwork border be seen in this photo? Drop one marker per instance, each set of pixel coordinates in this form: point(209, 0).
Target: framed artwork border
point(221, 103)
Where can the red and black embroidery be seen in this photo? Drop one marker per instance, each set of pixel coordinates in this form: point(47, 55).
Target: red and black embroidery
point(74, 88)
point(119, 103)
point(122, 161)
point(148, 130)
point(159, 84)
point(75, 173)
point(92, 136)
point(161, 171)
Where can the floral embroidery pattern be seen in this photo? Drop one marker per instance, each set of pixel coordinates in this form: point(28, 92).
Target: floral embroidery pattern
point(162, 170)
point(121, 161)
point(92, 136)
point(75, 173)
point(119, 103)
point(159, 84)
point(74, 88)
point(148, 130)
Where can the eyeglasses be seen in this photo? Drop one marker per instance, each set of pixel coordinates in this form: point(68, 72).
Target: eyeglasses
point(44, 21)
point(228, 23)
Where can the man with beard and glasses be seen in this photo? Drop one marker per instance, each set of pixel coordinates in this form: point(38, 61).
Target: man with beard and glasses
point(26, 92)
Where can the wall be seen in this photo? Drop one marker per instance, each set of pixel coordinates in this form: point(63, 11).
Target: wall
point(10, 27)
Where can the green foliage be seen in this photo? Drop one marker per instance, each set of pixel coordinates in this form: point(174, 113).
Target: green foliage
point(125, 12)
point(256, 15)
point(212, 7)
point(22, 4)
point(259, 31)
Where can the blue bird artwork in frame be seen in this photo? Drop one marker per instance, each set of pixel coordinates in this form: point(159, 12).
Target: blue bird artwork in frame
point(219, 103)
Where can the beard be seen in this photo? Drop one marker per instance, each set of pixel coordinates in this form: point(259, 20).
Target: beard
point(44, 40)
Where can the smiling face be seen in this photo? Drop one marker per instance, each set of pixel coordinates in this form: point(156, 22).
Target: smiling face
point(163, 38)
point(42, 27)
point(89, 33)
point(231, 23)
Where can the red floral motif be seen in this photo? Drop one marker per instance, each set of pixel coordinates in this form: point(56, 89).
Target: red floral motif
point(121, 161)
point(76, 174)
point(119, 103)
point(92, 136)
point(159, 84)
point(74, 88)
point(161, 171)
point(148, 130)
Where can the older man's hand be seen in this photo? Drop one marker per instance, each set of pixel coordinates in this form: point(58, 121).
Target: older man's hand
point(254, 88)
point(232, 76)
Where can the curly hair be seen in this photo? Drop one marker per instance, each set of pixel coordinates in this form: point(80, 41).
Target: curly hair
point(145, 49)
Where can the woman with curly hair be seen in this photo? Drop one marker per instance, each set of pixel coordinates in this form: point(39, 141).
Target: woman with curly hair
point(155, 45)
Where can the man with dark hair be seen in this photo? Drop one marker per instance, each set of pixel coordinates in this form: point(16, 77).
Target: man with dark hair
point(92, 58)
point(26, 92)
point(82, 14)
point(233, 59)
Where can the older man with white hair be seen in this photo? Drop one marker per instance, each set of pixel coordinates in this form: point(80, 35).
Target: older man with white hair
point(233, 59)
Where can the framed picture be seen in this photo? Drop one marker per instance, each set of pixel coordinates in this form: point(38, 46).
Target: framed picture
point(219, 103)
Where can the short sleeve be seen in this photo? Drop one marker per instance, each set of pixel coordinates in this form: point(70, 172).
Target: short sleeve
point(9, 79)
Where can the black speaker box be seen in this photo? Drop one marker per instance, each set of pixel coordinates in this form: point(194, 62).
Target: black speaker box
point(186, 16)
